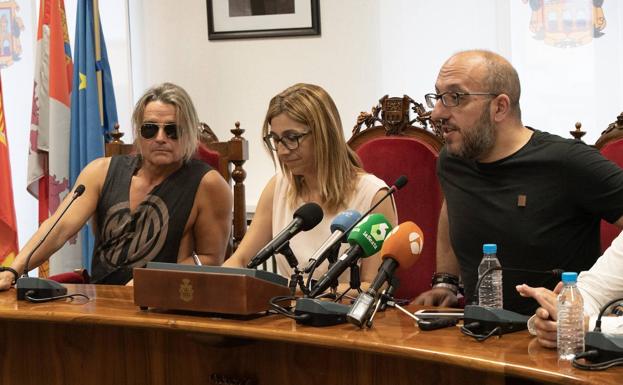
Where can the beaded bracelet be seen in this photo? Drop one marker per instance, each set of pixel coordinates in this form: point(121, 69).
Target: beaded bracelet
point(445, 278)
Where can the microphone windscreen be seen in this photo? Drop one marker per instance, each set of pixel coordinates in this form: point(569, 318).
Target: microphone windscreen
point(79, 190)
point(370, 233)
point(400, 182)
point(345, 220)
point(404, 244)
point(310, 213)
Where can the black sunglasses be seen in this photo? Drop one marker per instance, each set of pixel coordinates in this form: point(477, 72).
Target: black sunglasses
point(150, 130)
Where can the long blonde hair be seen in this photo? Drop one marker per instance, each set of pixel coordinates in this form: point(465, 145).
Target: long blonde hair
point(337, 165)
point(186, 115)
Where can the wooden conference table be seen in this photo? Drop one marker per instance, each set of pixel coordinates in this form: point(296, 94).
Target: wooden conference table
point(108, 340)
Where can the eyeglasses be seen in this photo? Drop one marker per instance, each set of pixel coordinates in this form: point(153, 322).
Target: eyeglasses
point(150, 130)
point(451, 98)
point(290, 141)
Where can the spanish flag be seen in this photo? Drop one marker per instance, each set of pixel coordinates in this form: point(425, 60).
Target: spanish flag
point(8, 225)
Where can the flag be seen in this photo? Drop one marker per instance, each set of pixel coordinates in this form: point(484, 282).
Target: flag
point(93, 111)
point(8, 225)
point(48, 155)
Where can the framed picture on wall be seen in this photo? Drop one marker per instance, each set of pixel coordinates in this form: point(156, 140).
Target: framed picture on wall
point(244, 19)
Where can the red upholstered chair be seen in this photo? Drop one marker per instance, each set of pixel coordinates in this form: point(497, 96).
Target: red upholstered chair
point(391, 146)
point(610, 144)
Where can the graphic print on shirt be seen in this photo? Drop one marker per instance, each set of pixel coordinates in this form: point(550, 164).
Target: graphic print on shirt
point(135, 238)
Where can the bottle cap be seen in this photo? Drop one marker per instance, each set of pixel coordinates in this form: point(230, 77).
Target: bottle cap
point(489, 248)
point(569, 277)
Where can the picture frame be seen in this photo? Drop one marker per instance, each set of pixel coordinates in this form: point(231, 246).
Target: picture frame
point(247, 19)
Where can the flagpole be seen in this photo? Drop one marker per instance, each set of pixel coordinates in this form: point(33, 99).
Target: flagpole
point(98, 58)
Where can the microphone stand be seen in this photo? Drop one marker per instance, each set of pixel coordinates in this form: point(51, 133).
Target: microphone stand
point(332, 254)
point(354, 283)
point(386, 299)
point(482, 322)
point(601, 350)
point(297, 275)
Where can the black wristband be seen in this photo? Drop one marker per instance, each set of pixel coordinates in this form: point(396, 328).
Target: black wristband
point(12, 270)
point(447, 278)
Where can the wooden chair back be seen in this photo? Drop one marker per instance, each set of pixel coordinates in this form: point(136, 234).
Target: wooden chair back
point(391, 145)
point(610, 144)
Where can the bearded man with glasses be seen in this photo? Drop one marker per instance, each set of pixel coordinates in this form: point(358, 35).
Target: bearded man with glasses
point(158, 205)
point(538, 196)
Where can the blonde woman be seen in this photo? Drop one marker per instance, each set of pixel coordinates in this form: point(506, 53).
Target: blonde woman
point(303, 129)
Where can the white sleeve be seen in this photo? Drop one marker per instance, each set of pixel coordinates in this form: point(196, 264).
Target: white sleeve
point(604, 281)
point(610, 325)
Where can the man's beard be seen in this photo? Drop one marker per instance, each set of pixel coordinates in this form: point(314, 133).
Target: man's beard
point(479, 140)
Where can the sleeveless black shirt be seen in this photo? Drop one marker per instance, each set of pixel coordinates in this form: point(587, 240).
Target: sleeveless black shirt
point(153, 231)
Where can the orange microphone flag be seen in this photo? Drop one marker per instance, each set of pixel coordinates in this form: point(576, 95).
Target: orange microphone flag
point(8, 224)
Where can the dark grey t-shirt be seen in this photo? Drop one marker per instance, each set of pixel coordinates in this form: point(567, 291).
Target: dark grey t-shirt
point(153, 231)
point(541, 206)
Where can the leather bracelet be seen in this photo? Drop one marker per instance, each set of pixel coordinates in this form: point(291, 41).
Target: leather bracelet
point(449, 286)
point(12, 270)
point(445, 278)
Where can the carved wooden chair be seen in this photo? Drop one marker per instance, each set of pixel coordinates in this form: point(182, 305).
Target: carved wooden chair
point(390, 145)
point(226, 157)
point(610, 144)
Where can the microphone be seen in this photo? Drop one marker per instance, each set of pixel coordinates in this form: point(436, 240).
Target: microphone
point(398, 184)
point(41, 287)
point(340, 223)
point(365, 239)
point(305, 218)
point(481, 322)
point(401, 249)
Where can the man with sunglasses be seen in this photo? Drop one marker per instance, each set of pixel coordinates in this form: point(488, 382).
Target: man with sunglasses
point(157, 205)
point(539, 197)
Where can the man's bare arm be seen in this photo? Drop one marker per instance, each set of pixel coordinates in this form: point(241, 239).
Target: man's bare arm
point(81, 210)
point(213, 224)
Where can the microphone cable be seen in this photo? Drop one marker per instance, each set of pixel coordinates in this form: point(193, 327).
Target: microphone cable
point(285, 311)
point(48, 299)
point(594, 353)
point(599, 366)
point(467, 330)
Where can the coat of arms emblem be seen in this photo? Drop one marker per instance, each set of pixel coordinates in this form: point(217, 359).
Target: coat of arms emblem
point(186, 290)
point(11, 26)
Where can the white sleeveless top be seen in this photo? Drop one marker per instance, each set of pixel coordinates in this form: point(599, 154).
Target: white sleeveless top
point(305, 243)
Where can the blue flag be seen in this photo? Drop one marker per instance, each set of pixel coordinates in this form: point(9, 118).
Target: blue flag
point(93, 110)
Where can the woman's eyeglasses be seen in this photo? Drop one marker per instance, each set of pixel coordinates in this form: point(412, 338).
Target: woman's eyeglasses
point(150, 130)
point(290, 141)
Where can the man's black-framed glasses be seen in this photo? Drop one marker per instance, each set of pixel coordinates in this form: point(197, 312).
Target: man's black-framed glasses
point(290, 141)
point(150, 130)
point(451, 98)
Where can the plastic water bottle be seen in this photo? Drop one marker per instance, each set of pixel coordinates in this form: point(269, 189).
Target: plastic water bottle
point(490, 291)
point(570, 323)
